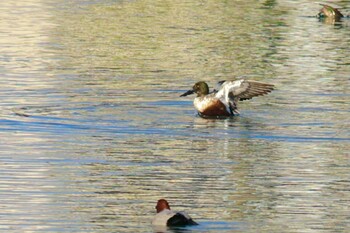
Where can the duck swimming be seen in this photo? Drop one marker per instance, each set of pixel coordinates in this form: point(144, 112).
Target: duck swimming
point(330, 12)
point(223, 102)
point(167, 217)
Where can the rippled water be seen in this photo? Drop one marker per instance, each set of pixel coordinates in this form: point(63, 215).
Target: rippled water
point(93, 131)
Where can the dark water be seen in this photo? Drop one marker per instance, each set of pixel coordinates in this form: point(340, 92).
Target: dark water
point(93, 131)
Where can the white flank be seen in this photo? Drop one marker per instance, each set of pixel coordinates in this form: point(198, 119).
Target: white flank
point(162, 217)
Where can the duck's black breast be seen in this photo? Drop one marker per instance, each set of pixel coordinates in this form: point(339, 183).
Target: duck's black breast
point(180, 220)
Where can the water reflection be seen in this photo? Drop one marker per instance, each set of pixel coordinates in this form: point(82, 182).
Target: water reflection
point(93, 132)
point(206, 226)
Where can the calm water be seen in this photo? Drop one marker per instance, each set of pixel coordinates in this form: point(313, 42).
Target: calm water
point(93, 131)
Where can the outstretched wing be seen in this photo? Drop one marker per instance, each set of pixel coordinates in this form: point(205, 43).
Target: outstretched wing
point(243, 89)
point(249, 89)
point(233, 91)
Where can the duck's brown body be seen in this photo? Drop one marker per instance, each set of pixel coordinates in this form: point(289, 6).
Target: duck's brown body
point(210, 106)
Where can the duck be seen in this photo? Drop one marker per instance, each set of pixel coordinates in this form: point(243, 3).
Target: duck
point(167, 217)
point(224, 101)
point(330, 12)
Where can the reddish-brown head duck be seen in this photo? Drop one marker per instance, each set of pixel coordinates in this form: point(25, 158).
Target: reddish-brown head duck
point(162, 204)
point(167, 217)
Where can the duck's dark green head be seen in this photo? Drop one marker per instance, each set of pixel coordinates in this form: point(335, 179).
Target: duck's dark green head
point(200, 88)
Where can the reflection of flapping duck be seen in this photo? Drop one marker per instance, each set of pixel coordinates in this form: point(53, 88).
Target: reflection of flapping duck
point(167, 217)
point(223, 102)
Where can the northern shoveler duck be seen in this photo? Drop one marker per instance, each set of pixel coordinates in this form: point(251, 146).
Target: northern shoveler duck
point(330, 12)
point(167, 217)
point(223, 102)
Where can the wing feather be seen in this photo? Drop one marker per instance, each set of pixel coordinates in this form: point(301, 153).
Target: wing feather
point(250, 89)
point(231, 92)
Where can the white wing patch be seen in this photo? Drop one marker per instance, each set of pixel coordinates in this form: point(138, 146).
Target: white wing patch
point(226, 88)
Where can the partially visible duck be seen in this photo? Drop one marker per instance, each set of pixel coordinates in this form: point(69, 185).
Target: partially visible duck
point(223, 102)
point(167, 217)
point(330, 12)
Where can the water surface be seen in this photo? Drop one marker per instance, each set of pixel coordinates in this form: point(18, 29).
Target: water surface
point(93, 131)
